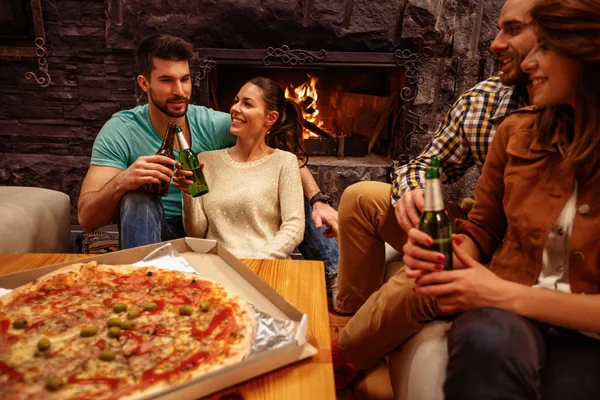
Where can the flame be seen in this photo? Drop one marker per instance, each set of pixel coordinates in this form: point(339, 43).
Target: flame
point(306, 96)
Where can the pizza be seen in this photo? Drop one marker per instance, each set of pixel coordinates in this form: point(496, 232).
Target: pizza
point(93, 331)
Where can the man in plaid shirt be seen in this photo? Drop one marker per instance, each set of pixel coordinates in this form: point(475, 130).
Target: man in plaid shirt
point(461, 141)
point(368, 219)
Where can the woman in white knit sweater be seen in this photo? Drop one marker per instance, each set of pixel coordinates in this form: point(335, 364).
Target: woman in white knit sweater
point(255, 203)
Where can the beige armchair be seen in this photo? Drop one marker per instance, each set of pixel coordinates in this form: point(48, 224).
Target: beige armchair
point(33, 220)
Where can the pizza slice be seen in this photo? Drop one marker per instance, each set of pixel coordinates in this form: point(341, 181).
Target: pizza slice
point(35, 362)
point(101, 375)
point(171, 362)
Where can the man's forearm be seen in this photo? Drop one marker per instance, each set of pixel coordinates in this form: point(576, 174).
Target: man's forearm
point(98, 208)
point(309, 185)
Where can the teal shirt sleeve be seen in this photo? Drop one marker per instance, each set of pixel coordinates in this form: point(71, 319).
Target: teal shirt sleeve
point(110, 148)
point(220, 136)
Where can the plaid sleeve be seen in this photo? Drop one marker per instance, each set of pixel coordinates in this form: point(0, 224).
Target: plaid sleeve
point(447, 145)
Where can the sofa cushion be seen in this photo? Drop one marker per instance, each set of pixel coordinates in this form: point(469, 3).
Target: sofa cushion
point(34, 220)
point(418, 368)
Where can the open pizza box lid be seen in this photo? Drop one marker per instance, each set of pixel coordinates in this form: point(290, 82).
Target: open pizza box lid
point(213, 261)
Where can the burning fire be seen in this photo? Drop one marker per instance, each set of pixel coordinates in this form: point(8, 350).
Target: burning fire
point(306, 96)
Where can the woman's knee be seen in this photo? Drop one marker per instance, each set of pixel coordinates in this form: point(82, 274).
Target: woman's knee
point(493, 354)
point(492, 331)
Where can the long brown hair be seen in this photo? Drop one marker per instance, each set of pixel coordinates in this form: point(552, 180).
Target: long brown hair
point(571, 28)
point(286, 132)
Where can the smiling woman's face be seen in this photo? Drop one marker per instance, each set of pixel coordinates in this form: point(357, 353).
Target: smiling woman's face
point(554, 78)
point(249, 115)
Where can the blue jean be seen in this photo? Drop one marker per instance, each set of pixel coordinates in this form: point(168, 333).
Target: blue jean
point(315, 246)
point(142, 221)
point(496, 354)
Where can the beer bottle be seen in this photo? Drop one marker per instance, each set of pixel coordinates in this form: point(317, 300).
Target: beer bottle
point(434, 220)
point(166, 149)
point(189, 162)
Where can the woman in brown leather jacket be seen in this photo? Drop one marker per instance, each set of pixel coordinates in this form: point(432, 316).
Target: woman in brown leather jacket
point(528, 323)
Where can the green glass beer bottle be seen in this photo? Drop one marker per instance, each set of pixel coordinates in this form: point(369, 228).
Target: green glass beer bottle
point(189, 162)
point(166, 149)
point(434, 220)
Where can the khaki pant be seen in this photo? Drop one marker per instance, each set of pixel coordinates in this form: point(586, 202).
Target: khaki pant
point(386, 314)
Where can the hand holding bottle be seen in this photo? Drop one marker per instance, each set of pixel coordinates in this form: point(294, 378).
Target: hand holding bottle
point(473, 286)
point(180, 179)
point(161, 187)
point(430, 247)
point(418, 260)
point(146, 170)
point(409, 207)
point(188, 162)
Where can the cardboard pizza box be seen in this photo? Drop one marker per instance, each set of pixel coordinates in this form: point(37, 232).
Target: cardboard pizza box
point(211, 260)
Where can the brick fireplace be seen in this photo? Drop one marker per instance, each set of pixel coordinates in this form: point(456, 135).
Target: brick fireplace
point(392, 67)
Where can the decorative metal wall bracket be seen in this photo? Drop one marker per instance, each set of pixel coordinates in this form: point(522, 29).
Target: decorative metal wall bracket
point(413, 120)
point(292, 57)
point(412, 64)
point(204, 66)
point(41, 53)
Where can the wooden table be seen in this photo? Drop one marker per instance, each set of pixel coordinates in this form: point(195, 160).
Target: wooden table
point(302, 283)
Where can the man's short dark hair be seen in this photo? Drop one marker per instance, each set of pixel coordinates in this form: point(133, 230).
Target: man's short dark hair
point(165, 47)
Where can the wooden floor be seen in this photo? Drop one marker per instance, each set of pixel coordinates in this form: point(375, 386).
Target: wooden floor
point(374, 384)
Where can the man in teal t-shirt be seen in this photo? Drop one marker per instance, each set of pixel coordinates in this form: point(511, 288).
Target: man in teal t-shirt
point(123, 157)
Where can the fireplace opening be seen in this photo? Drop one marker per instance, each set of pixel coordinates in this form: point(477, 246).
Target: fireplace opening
point(348, 111)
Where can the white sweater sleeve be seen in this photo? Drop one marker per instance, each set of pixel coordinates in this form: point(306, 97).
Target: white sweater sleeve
point(291, 206)
point(195, 223)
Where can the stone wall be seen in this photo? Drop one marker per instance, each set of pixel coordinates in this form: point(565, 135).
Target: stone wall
point(472, 27)
point(46, 134)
